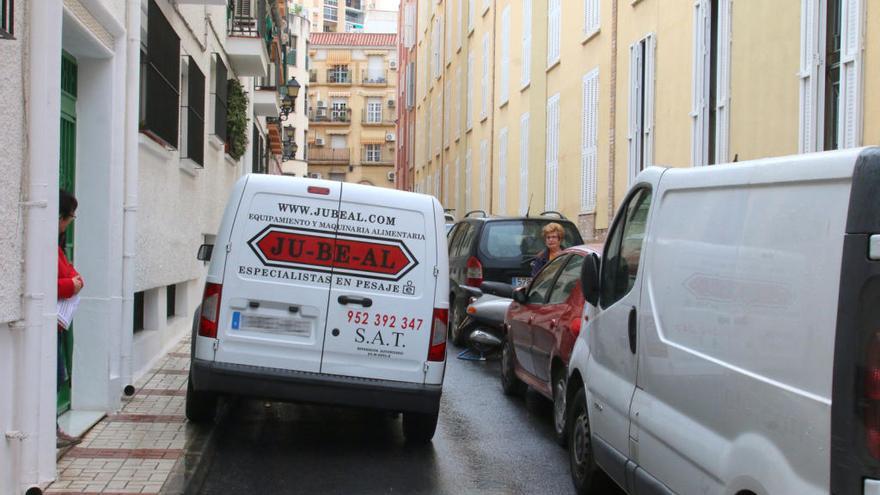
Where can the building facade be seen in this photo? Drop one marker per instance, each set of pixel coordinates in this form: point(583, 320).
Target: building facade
point(295, 125)
point(162, 106)
point(352, 106)
point(525, 106)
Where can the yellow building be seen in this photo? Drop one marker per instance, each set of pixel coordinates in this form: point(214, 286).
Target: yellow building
point(352, 107)
point(582, 95)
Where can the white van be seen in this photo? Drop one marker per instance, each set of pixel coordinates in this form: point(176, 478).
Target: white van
point(736, 345)
point(326, 292)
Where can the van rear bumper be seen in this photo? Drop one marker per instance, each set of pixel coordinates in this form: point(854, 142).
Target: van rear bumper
point(300, 386)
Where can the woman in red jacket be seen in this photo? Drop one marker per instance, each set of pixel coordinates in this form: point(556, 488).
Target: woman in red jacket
point(69, 284)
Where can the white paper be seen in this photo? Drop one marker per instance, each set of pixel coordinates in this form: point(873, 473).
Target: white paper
point(66, 309)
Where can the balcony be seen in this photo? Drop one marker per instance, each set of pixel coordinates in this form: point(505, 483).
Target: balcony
point(338, 77)
point(354, 4)
point(330, 115)
point(267, 102)
point(386, 116)
point(374, 157)
point(323, 154)
point(246, 38)
point(374, 77)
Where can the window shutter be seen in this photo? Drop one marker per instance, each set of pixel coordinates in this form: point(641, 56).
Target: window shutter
point(634, 134)
point(700, 83)
point(811, 60)
point(505, 55)
point(469, 102)
point(468, 180)
point(502, 171)
point(554, 31)
point(195, 113)
point(591, 17)
point(457, 102)
point(471, 8)
point(484, 175)
point(525, 77)
point(447, 47)
point(447, 105)
point(722, 92)
point(221, 97)
point(850, 107)
point(648, 137)
point(163, 77)
point(552, 163)
point(524, 163)
point(484, 82)
point(457, 182)
point(589, 141)
point(458, 26)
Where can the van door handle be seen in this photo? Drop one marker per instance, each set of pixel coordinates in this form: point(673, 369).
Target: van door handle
point(363, 301)
point(632, 330)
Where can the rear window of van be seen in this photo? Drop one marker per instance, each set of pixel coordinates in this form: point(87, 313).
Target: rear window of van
point(518, 238)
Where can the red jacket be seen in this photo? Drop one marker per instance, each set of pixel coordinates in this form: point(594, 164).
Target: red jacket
point(66, 273)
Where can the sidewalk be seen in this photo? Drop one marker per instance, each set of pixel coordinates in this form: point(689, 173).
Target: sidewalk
point(141, 448)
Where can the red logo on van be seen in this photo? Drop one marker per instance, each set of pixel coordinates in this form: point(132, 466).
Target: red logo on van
point(325, 251)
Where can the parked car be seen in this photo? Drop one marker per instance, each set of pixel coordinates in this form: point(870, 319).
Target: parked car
point(735, 342)
point(325, 292)
point(499, 249)
point(542, 325)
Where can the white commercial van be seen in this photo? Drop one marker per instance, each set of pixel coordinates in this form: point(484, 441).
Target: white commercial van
point(326, 292)
point(736, 345)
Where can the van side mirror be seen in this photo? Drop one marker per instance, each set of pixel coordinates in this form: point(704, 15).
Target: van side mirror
point(590, 279)
point(205, 251)
point(519, 295)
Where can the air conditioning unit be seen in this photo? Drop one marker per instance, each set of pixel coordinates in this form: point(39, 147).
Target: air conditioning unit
point(392, 64)
point(389, 137)
point(315, 175)
point(319, 141)
point(391, 176)
point(322, 104)
point(392, 103)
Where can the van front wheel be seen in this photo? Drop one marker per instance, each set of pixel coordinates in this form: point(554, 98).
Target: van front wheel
point(200, 406)
point(419, 427)
point(580, 446)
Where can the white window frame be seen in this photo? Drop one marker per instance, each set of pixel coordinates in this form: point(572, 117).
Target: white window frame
point(458, 26)
point(456, 181)
point(524, 163)
point(551, 186)
point(373, 153)
point(554, 32)
point(458, 99)
point(589, 140)
point(502, 171)
point(640, 133)
point(484, 175)
point(447, 111)
point(526, 69)
point(592, 19)
point(468, 179)
point(471, 10)
point(374, 110)
point(701, 83)
point(504, 79)
point(484, 81)
point(469, 101)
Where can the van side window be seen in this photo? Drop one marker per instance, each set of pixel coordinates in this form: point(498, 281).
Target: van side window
point(542, 284)
point(621, 264)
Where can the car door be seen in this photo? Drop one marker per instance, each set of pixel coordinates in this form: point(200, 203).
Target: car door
point(613, 359)
point(553, 319)
point(381, 303)
point(524, 315)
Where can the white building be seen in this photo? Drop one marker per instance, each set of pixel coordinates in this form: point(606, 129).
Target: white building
point(140, 90)
point(297, 121)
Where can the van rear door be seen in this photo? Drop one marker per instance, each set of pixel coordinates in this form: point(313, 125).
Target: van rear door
point(382, 294)
point(277, 280)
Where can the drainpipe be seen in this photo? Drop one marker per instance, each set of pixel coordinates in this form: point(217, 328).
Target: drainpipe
point(129, 215)
point(35, 335)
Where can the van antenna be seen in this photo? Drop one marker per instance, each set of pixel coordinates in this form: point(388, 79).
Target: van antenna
point(529, 209)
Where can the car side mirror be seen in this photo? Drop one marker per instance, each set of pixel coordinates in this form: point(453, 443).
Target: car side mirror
point(519, 295)
point(590, 279)
point(205, 251)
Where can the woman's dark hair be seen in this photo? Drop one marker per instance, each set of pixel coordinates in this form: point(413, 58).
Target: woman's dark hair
point(66, 204)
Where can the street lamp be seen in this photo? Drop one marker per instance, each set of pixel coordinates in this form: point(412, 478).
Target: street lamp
point(290, 146)
point(289, 93)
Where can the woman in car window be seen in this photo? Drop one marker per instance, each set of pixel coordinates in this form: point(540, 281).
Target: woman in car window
point(553, 235)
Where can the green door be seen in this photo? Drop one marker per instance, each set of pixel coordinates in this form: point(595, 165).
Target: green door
point(67, 181)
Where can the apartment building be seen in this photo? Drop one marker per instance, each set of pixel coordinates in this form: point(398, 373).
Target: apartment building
point(524, 106)
point(352, 106)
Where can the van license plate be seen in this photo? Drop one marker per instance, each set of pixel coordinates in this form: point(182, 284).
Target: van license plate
point(274, 324)
point(520, 281)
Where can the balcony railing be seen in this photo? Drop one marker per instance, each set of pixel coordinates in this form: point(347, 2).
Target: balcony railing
point(376, 158)
point(247, 18)
point(327, 154)
point(338, 77)
point(374, 77)
point(385, 116)
point(354, 4)
point(330, 115)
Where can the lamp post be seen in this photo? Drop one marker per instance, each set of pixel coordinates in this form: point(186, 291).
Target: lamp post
point(289, 93)
point(290, 146)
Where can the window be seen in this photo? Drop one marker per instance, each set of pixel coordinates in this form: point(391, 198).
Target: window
point(484, 175)
point(171, 301)
point(591, 17)
point(410, 85)
point(567, 281)
point(641, 106)
point(468, 179)
point(484, 82)
point(711, 64)
point(338, 142)
point(515, 239)
point(375, 69)
point(447, 112)
point(458, 25)
point(505, 56)
point(292, 54)
point(471, 8)
point(589, 140)
point(457, 102)
point(339, 110)
point(525, 76)
point(374, 110)
point(502, 170)
point(469, 101)
point(339, 74)
point(455, 180)
point(160, 78)
point(540, 287)
point(621, 263)
point(832, 74)
point(524, 163)
point(258, 152)
point(552, 162)
point(193, 117)
point(7, 19)
point(554, 31)
point(409, 28)
point(221, 97)
point(373, 152)
point(138, 320)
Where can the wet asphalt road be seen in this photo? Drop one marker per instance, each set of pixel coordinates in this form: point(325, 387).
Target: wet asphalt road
point(485, 443)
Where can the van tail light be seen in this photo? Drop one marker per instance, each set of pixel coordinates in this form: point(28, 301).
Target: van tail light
point(474, 274)
point(437, 351)
point(575, 326)
point(210, 310)
point(872, 396)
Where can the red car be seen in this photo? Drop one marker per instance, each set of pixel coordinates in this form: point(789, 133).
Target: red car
point(542, 325)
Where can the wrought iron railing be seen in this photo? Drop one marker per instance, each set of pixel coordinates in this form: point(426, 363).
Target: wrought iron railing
point(382, 116)
point(324, 114)
point(374, 157)
point(247, 18)
point(374, 77)
point(327, 154)
point(338, 77)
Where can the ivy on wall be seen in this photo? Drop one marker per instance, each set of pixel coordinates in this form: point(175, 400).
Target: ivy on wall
point(237, 121)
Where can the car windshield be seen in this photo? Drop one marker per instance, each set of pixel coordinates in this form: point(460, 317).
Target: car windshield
point(519, 238)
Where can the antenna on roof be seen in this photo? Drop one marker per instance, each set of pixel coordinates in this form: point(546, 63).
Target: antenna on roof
point(529, 209)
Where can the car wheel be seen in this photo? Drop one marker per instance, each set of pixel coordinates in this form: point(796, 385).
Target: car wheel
point(559, 409)
point(201, 407)
point(510, 384)
point(580, 448)
point(419, 427)
point(455, 318)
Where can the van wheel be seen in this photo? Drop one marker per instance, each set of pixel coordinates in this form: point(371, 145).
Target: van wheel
point(455, 318)
point(200, 406)
point(510, 384)
point(580, 448)
point(560, 425)
point(419, 427)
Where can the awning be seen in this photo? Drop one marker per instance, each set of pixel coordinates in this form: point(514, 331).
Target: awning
point(338, 57)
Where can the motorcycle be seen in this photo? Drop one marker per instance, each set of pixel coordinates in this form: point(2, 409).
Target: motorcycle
point(483, 323)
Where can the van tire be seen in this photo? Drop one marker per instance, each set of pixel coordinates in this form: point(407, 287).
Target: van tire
point(560, 413)
point(419, 427)
point(510, 383)
point(584, 471)
point(201, 407)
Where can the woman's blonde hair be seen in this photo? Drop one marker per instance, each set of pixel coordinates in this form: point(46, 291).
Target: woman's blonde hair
point(553, 228)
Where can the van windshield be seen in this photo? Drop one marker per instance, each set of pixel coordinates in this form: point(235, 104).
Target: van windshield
point(519, 238)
